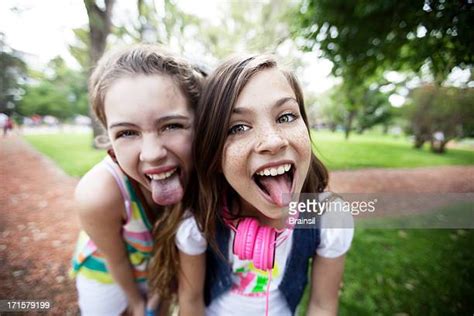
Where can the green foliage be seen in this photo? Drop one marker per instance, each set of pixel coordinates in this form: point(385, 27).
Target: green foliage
point(372, 108)
point(376, 110)
point(366, 38)
point(446, 109)
point(334, 111)
point(12, 70)
point(249, 26)
point(412, 272)
point(45, 99)
point(72, 152)
point(63, 93)
point(363, 36)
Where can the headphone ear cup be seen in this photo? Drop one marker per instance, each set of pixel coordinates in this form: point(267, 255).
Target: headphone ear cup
point(264, 251)
point(245, 236)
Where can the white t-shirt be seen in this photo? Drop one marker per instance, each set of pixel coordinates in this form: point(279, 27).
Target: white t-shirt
point(248, 293)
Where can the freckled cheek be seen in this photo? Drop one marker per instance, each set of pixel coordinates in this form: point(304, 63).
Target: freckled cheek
point(233, 162)
point(300, 138)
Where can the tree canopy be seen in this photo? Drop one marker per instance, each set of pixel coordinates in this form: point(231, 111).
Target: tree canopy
point(362, 36)
point(13, 71)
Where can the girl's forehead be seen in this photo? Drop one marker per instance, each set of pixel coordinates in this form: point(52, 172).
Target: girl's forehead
point(144, 96)
point(265, 86)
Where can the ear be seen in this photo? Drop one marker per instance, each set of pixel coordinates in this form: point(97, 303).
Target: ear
point(111, 153)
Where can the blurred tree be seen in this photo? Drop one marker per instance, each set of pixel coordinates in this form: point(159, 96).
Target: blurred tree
point(45, 99)
point(333, 108)
point(364, 38)
point(81, 48)
point(58, 91)
point(376, 110)
point(148, 22)
point(12, 70)
point(439, 114)
point(249, 26)
point(100, 25)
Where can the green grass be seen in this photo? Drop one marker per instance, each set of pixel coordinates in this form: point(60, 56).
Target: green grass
point(72, 152)
point(388, 271)
point(410, 272)
point(380, 151)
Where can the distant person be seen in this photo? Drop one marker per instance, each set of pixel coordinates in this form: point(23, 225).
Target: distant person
point(145, 99)
point(3, 123)
point(6, 123)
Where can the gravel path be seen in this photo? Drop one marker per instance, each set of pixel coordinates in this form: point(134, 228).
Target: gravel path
point(38, 227)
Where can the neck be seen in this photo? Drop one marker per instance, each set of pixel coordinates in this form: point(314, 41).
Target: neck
point(250, 211)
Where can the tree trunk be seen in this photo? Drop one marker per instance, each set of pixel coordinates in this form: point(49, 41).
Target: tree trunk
point(419, 141)
point(348, 126)
point(438, 147)
point(100, 26)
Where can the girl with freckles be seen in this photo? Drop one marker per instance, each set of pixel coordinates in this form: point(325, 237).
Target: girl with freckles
point(253, 147)
point(133, 205)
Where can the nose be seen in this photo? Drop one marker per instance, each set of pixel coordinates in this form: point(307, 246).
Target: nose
point(153, 149)
point(270, 142)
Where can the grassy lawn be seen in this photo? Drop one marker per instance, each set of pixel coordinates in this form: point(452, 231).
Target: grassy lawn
point(380, 151)
point(72, 152)
point(408, 272)
point(388, 271)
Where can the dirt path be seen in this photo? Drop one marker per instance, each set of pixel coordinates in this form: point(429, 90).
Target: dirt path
point(38, 227)
point(459, 179)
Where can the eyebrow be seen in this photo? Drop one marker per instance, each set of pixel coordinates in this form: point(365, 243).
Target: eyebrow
point(280, 102)
point(159, 121)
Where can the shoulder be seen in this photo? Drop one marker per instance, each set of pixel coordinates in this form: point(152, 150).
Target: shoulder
point(189, 238)
point(98, 195)
point(337, 229)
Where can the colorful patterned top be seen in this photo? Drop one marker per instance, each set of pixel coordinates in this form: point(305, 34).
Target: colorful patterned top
point(89, 262)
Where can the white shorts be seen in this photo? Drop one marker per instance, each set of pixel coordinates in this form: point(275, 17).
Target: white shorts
point(95, 298)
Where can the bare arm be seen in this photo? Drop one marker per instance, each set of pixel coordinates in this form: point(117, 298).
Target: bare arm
point(101, 212)
point(326, 279)
point(191, 284)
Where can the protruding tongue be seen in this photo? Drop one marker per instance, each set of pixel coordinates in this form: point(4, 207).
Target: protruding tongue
point(276, 187)
point(168, 191)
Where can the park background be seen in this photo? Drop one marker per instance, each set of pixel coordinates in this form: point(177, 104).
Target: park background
point(389, 89)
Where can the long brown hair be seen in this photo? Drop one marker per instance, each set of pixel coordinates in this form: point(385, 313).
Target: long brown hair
point(145, 59)
point(213, 113)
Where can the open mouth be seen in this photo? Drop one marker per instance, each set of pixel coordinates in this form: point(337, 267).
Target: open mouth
point(163, 175)
point(275, 181)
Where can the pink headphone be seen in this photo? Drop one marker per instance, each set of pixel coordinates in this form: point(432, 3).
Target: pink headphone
point(252, 241)
point(255, 242)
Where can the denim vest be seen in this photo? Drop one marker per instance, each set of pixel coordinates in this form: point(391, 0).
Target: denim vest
point(295, 278)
